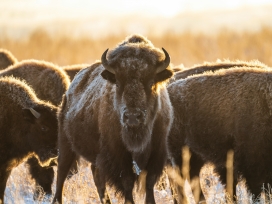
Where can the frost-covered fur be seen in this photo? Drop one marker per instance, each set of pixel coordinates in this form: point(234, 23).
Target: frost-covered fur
point(21, 133)
point(92, 121)
point(6, 59)
point(135, 51)
point(227, 109)
point(182, 73)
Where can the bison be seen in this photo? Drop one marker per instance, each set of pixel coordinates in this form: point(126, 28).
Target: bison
point(227, 109)
point(49, 83)
point(6, 59)
point(177, 142)
point(117, 115)
point(28, 127)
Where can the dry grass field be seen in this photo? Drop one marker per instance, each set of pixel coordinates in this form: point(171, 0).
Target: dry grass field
point(185, 48)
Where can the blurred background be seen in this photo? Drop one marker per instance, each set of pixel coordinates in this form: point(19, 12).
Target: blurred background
point(69, 32)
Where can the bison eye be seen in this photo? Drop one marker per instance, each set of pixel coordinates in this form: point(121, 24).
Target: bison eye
point(44, 128)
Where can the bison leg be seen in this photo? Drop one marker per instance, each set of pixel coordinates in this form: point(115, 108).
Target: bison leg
point(65, 161)
point(43, 177)
point(4, 174)
point(196, 164)
point(100, 184)
point(150, 182)
point(128, 185)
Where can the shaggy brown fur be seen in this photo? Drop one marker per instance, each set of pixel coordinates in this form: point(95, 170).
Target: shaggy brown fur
point(48, 80)
point(227, 109)
point(116, 121)
point(182, 73)
point(49, 83)
point(21, 133)
point(72, 70)
point(6, 59)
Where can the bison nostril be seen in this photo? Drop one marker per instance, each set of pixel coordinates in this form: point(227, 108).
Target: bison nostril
point(132, 118)
point(138, 115)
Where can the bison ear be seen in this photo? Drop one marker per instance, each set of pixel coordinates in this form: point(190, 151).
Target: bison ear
point(108, 76)
point(163, 75)
point(28, 116)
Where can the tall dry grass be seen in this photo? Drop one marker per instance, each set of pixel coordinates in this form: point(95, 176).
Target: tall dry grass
point(186, 48)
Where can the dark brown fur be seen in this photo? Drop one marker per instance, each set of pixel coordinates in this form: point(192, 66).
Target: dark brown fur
point(6, 59)
point(72, 70)
point(49, 83)
point(176, 143)
point(21, 134)
point(227, 109)
point(92, 123)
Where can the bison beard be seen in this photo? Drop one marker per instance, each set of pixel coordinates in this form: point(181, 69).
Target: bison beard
point(45, 158)
point(137, 138)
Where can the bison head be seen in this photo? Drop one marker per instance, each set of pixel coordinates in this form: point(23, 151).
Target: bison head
point(139, 73)
point(42, 132)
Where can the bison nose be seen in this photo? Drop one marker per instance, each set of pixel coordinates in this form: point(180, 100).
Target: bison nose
point(132, 118)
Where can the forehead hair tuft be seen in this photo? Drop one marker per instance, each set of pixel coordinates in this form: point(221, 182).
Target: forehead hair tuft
point(136, 39)
point(135, 48)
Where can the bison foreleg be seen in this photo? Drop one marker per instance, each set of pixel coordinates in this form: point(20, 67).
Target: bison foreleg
point(100, 184)
point(65, 161)
point(4, 174)
point(128, 184)
point(150, 183)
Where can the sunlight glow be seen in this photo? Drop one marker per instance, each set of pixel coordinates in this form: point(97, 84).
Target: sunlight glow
point(166, 8)
point(18, 18)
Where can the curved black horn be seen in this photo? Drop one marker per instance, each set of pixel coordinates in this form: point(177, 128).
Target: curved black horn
point(163, 65)
point(105, 62)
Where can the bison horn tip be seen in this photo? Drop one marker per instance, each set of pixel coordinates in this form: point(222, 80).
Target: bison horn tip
point(35, 113)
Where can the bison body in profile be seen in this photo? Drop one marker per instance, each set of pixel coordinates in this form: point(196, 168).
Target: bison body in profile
point(28, 127)
point(227, 109)
point(117, 115)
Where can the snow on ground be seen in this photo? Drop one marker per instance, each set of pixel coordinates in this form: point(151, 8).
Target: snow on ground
point(81, 189)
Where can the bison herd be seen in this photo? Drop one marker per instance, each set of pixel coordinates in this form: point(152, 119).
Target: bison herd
point(130, 114)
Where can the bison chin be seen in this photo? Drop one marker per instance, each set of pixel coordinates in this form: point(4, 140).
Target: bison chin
point(46, 158)
point(136, 139)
